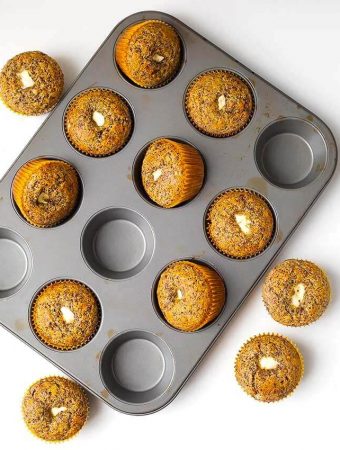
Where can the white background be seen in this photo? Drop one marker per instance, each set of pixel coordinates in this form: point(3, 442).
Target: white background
point(295, 45)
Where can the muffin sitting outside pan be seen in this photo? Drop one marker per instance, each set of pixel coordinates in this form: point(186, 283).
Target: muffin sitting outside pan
point(31, 83)
point(55, 408)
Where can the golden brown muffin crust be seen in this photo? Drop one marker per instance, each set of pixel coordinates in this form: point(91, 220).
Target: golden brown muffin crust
point(49, 194)
point(268, 367)
point(52, 320)
point(219, 103)
point(55, 392)
point(190, 295)
point(172, 172)
point(35, 99)
point(90, 136)
point(296, 292)
point(149, 53)
point(240, 223)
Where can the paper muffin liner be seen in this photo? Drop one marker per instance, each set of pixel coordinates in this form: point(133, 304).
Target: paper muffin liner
point(57, 441)
point(22, 177)
point(207, 221)
point(295, 347)
point(36, 330)
point(193, 173)
point(92, 155)
point(303, 324)
point(217, 290)
point(215, 135)
point(122, 47)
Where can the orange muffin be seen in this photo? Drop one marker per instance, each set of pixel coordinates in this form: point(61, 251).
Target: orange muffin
point(31, 83)
point(149, 53)
point(269, 367)
point(219, 103)
point(46, 191)
point(240, 223)
point(190, 295)
point(65, 315)
point(55, 408)
point(98, 122)
point(172, 172)
point(296, 292)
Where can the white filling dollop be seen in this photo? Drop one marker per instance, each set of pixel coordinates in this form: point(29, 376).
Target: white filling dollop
point(268, 363)
point(299, 293)
point(156, 174)
point(56, 411)
point(26, 79)
point(243, 222)
point(98, 118)
point(221, 102)
point(68, 315)
point(179, 294)
point(157, 58)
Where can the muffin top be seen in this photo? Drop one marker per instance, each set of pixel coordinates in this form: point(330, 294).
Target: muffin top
point(171, 172)
point(296, 292)
point(268, 367)
point(46, 191)
point(219, 103)
point(240, 223)
point(190, 295)
point(55, 408)
point(149, 53)
point(98, 122)
point(65, 314)
point(31, 83)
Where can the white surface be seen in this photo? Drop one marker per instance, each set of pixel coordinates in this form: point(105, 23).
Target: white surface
point(295, 45)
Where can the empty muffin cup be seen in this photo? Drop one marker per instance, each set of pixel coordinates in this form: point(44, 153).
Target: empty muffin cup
point(290, 153)
point(137, 366)
point(117, 243)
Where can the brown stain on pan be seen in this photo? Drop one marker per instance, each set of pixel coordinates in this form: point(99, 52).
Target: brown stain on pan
point(20, 325)
point(111, 333)
point(104, 393)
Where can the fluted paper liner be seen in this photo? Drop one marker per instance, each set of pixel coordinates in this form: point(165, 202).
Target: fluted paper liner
point(218, 135)
point(207, 221)
point(21, 179)
point(35, 327)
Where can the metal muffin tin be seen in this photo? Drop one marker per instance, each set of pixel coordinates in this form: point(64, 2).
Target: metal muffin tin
point(117, 242)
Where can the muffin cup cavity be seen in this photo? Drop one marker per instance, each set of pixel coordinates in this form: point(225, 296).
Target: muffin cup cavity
point(122, 45)
point(117, 243)
point(35, 328)
point(75, 146)
point(137, 367)
point(22, 177)
point(288, 340)
point(15, 262)
point(55, 441)
point(216, 308)
point(210, 239)
point(193, 165)
point(290, 153)
point(191, 120)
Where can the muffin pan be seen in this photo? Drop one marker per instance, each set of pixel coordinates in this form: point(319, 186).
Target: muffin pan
point(117, 241)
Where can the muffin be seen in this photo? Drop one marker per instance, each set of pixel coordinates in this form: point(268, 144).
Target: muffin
point(240, 224)
point(219, 103)
point(149, 53)
point(269, 367)
point(190, 295)
point(55, 408)
point(98, 122)
point(31, 83)
point(65, 315)
point(46, 191)
point(296, 292)
point(172, 172)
